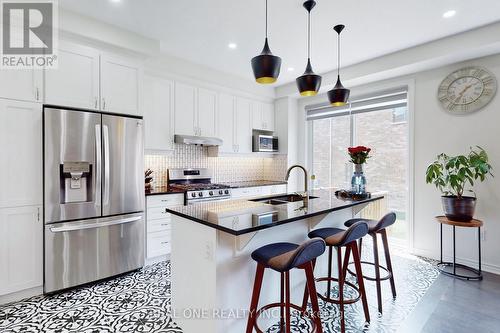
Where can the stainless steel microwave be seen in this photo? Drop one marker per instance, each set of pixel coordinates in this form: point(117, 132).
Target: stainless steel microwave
point(265, 143)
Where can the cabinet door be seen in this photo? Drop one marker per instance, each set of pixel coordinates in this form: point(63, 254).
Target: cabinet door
point(158, 113)
point(120, 85)
point(75, 82)
point(226, 123)
point(21, 84)
point(268, 116)
point(21, 158)
point(243, 126)
point(21, 249)
point(207, 112)
point(257, 122)
point(185, 109)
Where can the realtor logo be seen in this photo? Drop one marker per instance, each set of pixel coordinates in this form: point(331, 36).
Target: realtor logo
point(29, 34)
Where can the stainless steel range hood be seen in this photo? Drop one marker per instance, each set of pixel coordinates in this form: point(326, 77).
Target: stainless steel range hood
point(197, 140)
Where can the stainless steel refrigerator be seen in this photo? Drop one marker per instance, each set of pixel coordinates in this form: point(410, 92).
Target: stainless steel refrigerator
point(93, 196)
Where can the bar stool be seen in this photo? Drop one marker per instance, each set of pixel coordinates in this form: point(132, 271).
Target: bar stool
point(378, 227)
point(283, 257)
point(340, 238)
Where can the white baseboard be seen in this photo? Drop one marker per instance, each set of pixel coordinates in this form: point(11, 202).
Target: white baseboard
point(20, 295)
point(486, 267)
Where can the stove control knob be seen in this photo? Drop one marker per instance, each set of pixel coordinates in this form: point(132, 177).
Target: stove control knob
point(226, 191)
point(193, 194)
point(221, 192)
point(211, 193)
point(200, 194)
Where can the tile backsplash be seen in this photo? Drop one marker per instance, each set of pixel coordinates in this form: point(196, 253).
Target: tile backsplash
point(224, 168)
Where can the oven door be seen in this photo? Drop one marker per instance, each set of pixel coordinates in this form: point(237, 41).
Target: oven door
point(84, 251)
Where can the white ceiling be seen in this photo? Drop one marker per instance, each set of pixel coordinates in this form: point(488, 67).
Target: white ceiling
point(200, 30)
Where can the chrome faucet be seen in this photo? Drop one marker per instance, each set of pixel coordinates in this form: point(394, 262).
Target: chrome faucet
point(305, 194)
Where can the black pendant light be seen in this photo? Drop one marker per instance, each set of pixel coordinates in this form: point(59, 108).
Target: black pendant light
point(309, 83)
point(339, 95)
point(266, 66)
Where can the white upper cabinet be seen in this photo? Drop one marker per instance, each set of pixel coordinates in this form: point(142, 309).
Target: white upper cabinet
point(21, 158)
point(262, 116)
point(75, 82)
point(185, 110)
point(158, 113)
point(207, 112)
point(120, 85)
point(268, 116)
point(21, 249)
point(21, 84)
point(243, 128)
point(226, 123)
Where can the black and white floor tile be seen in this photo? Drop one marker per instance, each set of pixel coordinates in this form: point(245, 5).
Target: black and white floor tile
point(138, 302)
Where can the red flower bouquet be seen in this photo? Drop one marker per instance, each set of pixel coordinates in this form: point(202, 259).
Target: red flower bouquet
point(359, 154)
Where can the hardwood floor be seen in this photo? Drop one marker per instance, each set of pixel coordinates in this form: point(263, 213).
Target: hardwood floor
point(456, 306)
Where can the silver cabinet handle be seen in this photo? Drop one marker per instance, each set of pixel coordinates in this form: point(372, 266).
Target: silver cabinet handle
point(103, 103)
point(38, 213)
point(37, 94)
point(96, 100)
point(95, 225)
point(163, 243)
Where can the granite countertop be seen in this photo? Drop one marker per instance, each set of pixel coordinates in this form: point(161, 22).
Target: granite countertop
point(238, 217)
point(162, 190)
point(254, 183)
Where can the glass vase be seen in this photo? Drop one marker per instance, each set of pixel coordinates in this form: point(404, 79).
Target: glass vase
point(358, 180)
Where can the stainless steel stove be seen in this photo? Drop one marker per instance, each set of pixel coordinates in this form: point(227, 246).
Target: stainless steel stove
point(197, 185)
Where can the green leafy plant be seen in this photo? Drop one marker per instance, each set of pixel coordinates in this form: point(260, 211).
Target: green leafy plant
point(452, 174)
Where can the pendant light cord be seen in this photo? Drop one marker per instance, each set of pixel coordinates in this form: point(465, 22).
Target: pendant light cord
point(309, 34)
point(266, 19)
point(338, 54)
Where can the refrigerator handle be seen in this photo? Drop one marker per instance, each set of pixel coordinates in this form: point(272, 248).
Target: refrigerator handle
point(98, 165)
point(95, 225)
point(105, 132)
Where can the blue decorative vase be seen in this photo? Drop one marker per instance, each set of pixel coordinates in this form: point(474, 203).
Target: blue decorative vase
point(358, 180)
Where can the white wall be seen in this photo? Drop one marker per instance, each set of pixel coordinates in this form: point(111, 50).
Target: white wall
point(436, 131)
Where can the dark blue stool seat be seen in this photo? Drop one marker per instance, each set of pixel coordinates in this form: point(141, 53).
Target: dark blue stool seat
point(283, 257)
point(375, 228)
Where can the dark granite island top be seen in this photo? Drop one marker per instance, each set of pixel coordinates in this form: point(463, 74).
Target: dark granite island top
point(238, 217)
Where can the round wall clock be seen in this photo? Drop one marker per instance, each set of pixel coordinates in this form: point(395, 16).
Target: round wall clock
point(467, 90)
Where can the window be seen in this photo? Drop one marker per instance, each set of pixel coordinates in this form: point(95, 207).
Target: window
point(379, 122)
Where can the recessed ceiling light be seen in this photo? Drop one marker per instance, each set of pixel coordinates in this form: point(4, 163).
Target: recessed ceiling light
point(449, 13)
point(290, 69)
point(232, 46)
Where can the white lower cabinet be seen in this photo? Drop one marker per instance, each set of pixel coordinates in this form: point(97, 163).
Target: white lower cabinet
point(21, 249)
point(159, 223)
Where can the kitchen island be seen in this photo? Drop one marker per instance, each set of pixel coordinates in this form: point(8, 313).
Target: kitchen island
point(212, 272)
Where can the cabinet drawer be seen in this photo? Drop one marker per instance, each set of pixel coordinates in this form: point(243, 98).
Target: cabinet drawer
point(158, 244)
point(166, 200)
point(158, 225)
point(156, 213)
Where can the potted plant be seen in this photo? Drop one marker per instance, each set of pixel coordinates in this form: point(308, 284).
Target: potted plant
point(452, 175)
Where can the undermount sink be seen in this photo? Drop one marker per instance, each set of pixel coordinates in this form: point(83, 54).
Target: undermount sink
point(282, 199)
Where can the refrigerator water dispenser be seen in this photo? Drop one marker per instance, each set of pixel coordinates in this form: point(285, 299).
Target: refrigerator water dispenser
point(76, 181)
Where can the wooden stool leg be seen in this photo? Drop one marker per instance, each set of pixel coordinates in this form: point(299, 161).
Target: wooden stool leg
point(259, 275)
point(330, 263)
point(377, 272)
point(341, 290)
point(388, 260)
point(282, 290)
point(360, 246)
point(361, 283)
point(287, 302)
point(346, 261)
point(306, 289)
point(311, 286)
